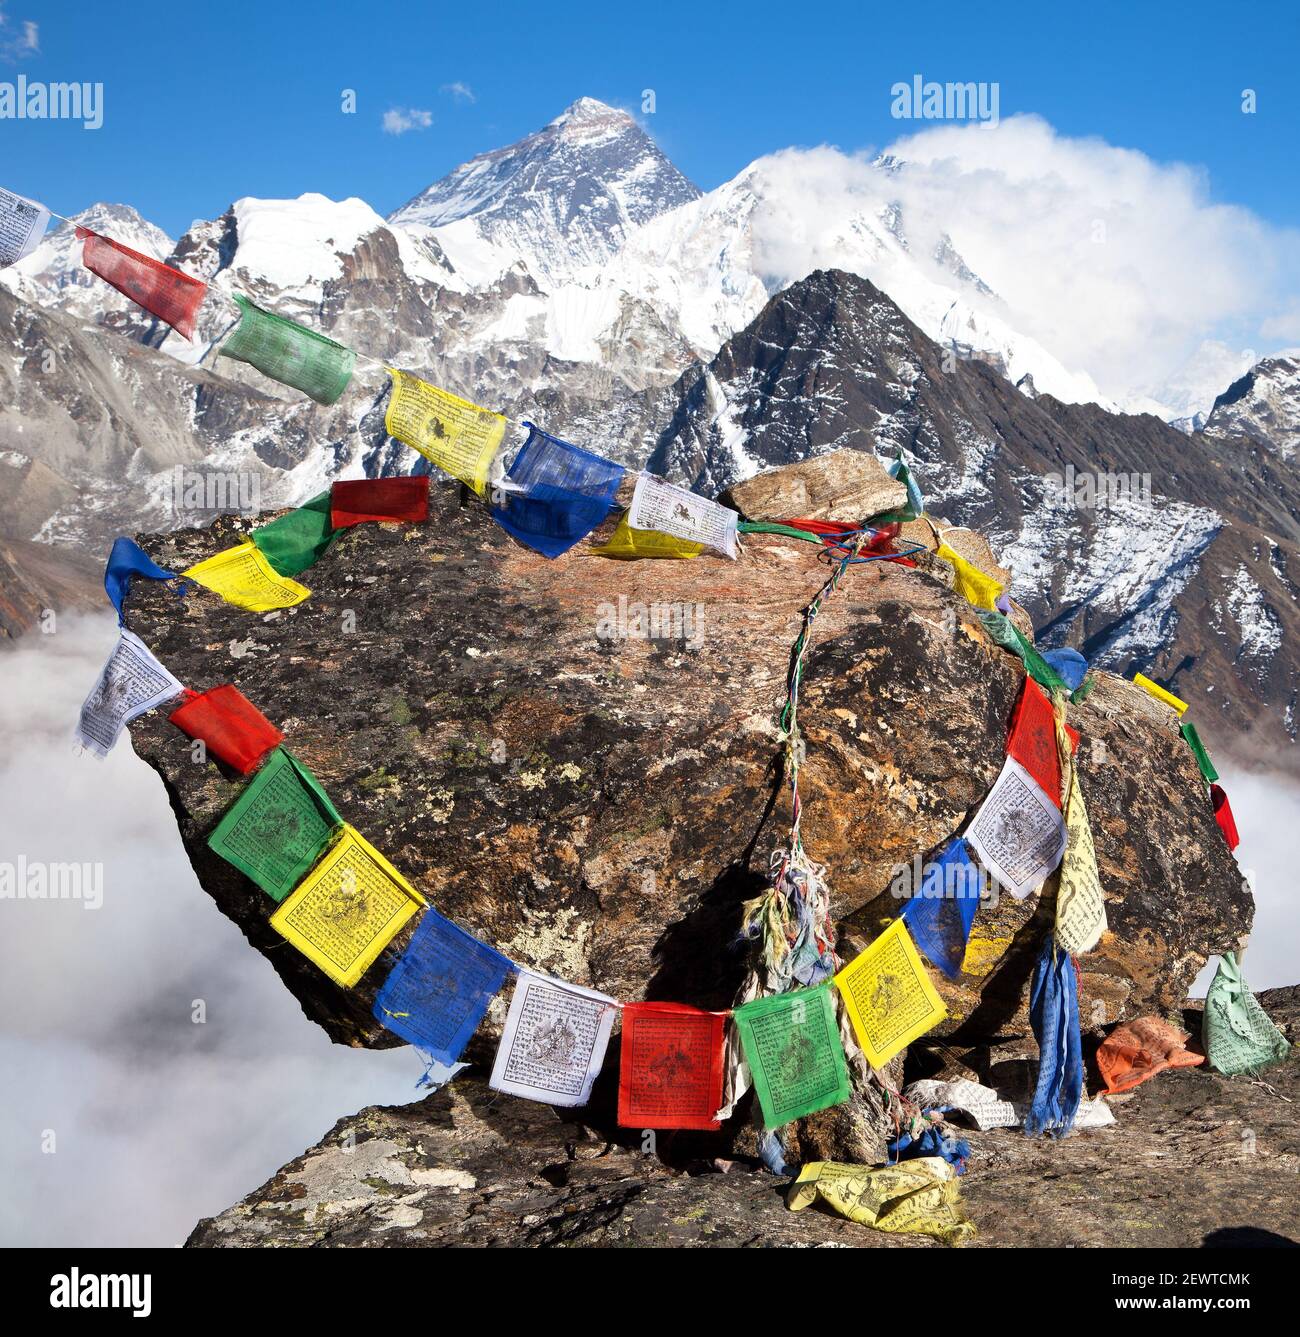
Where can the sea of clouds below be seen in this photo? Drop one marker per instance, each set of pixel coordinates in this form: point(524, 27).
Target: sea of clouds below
point(159, 1121)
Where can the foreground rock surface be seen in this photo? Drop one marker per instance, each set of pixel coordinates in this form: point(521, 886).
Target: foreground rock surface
point(1195, 1160)
point(598, 803)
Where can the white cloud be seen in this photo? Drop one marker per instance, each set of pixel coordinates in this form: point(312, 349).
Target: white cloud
point(158, 1121)
point(459, 92)
point(1119, 265)
point(398, 120)
point(17, 42)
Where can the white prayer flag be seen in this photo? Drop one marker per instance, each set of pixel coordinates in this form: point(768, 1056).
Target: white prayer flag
point(131, 682)
point(685, 515)
point(1018, 833)
point(986, 1109)
point(554, 1041)
point(22, 225)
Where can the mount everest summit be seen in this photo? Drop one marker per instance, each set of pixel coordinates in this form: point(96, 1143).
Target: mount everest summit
point(579, 280)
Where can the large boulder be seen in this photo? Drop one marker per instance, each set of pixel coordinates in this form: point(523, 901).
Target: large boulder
point(840, 485)
point(598, 802)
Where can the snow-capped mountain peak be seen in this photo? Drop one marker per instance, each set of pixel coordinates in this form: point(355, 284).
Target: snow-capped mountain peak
point(53, 274)
point(566, 196)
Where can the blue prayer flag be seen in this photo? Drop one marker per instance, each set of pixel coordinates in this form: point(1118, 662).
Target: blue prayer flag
point(1069, 664)
point(438, 991)
point(939, 915)
point(554, 494)
point(128, 559)
point(1054, 1015)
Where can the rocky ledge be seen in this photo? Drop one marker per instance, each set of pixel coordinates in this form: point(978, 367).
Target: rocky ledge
point(1195, 1159)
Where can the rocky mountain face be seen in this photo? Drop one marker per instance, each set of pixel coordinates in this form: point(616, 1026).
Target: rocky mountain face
point(1262, 407)
point(464, 1167)
point(599, 804)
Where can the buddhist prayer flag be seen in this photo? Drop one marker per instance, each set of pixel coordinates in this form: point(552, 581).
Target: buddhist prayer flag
point(242, 576)
point(299, 538)
point(667, 509)
point(1223, 815)
point(628, 544)
point(1054, 1015)
point(162, 291)
point(941, 911)
point(230, 726)
point(792, 1046)
point(888, 996)
point(126, 561)
point(289, 353)
point(131, 682)
point(1018, 834)
point(554, 493)
point(554, 1041)
point(971, 583)
point(436, 994)
point(278, 827)
point(359, 500)
point(459, 437)
point(348, 908)
point(1080, 904)
point(1154, 689)
point(1193, 740)
point(1136, 1050)
point(917, 1197)
point(22, 225)
point(1239, 1036)
point(1070, 665)
point(1009, 636)
point(670, 1068)
point(1031, 740)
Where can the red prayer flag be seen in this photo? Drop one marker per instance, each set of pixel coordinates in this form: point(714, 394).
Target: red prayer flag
point(670, 1072)
point(362, 499)
point(232, 727)
point(1032, 739)
point(162, 291)
point(1223, 815)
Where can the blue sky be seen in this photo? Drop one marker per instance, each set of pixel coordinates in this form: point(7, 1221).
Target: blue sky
point(204, 104)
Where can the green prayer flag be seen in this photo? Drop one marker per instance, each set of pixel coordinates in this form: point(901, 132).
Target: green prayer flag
point(792, 1045)
point(289, 353)
point(915, 506)
point(1193, 740)
point(299, 538)
point(1237, 1033)
point(278, 827)
point(1010, 637)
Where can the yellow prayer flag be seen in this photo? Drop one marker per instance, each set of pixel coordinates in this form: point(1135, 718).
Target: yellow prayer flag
point(243, 576)
point(971, 582)
point(1080, 906)
point(456, 435)
point(347, 909)
point(917, 1197)
point(888, 995)
point(1155, 689)
point(627, 543)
